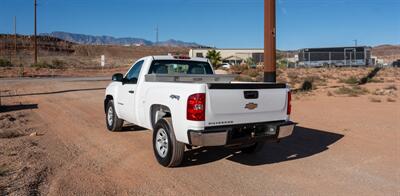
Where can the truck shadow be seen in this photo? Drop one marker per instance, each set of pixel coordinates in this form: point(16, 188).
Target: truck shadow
point(17, 107)
point(132, 127)
point(304, 142)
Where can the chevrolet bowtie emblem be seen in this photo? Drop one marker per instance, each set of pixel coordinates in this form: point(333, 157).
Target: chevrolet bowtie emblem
point(251, 106)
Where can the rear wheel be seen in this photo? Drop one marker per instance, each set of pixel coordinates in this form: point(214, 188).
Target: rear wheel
point(254, 148)
point(168, 151)
point(113, 122)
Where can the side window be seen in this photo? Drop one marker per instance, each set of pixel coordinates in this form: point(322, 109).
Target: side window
point(133, 74)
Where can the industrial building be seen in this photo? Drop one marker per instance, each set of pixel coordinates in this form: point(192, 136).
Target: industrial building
point(337, 56)
point(232, 55)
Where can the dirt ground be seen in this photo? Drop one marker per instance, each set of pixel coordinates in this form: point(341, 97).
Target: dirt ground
point(54, 142)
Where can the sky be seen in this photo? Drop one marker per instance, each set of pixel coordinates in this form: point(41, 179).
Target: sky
point(217, 23)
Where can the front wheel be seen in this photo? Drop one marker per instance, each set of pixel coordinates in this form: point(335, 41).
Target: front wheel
point(113, 122)
point(168, 151)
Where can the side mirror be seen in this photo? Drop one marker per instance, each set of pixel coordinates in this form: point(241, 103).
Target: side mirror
point(118, 77)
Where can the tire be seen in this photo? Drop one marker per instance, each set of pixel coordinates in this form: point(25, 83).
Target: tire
point(112, 121)
point(254, 148)
point(167, 150)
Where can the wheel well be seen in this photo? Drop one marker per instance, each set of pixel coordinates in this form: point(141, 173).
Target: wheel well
point(157, 112)
point(106, 100)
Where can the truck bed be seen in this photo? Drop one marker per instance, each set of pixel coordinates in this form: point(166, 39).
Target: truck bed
point(193, 78)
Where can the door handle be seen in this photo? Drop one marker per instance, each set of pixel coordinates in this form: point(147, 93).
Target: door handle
point(131, 91)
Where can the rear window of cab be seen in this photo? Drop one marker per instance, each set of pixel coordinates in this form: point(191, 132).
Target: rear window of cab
point(179, 67)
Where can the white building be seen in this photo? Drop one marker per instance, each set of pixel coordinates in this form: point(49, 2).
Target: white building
point(232, 55)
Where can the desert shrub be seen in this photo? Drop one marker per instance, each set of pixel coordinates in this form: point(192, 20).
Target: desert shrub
point(239, 68)
point(5, 63)
point(391, 87)
point(251, 72)
point(56, 64)
point(353, 91)
point(307, 85)
point(260, 78)
point(374, 80)
point(293, 78)
point(3, 170)
point(375, 100)
point(349, 80)
point(40, 65)
point(244, 78)
point(370, 76)
point(390, 99)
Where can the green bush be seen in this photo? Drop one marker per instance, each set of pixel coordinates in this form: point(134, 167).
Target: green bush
point(5, 63)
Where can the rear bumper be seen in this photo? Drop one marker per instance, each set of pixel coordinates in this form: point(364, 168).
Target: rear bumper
point(240, 134)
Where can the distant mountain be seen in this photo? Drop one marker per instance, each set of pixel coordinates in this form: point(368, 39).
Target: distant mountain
point(172, 42)
point(109, 40)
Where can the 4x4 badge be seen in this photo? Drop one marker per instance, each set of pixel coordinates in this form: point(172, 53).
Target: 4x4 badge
point(251, 106)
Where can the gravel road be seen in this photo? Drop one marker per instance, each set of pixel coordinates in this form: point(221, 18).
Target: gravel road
point(341, 146)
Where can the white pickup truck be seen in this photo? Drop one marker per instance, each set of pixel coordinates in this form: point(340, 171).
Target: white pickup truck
point(187, 105)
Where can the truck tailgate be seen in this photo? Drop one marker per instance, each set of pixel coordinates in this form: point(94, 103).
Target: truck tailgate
point(238, 103)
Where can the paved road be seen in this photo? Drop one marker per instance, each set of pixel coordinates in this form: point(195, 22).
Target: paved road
point(60, 79)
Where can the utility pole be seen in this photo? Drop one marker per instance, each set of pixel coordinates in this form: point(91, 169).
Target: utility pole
point(355, 43)
point(34, 38)
point(157, 34)
point(269, 41)
point(15, 36)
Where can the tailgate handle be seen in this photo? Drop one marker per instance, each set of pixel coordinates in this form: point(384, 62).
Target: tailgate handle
point(251, 94)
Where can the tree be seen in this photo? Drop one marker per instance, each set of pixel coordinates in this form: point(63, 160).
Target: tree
point(214, 57)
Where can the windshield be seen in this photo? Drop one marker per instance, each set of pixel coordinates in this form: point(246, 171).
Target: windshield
point(179, 67)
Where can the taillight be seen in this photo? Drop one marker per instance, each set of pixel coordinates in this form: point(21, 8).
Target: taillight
point(196, 106)
point(289, 104)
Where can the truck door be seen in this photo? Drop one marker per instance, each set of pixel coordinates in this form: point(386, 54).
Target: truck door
point(126, 93)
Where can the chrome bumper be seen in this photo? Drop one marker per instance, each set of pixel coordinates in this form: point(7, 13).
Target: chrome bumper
point(237, 134)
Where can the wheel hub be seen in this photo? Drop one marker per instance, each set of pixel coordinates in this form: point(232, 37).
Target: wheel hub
point(162, 142)
point(110, 116)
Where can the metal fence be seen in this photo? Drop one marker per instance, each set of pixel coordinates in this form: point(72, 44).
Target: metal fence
point(346, 58)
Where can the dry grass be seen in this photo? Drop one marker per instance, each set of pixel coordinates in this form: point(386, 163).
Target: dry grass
point(390, 99)
point(244, 78)
point(353, 91)
point(375, 100)
point(3, 170)
point(391, 87)
point(350, 80)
